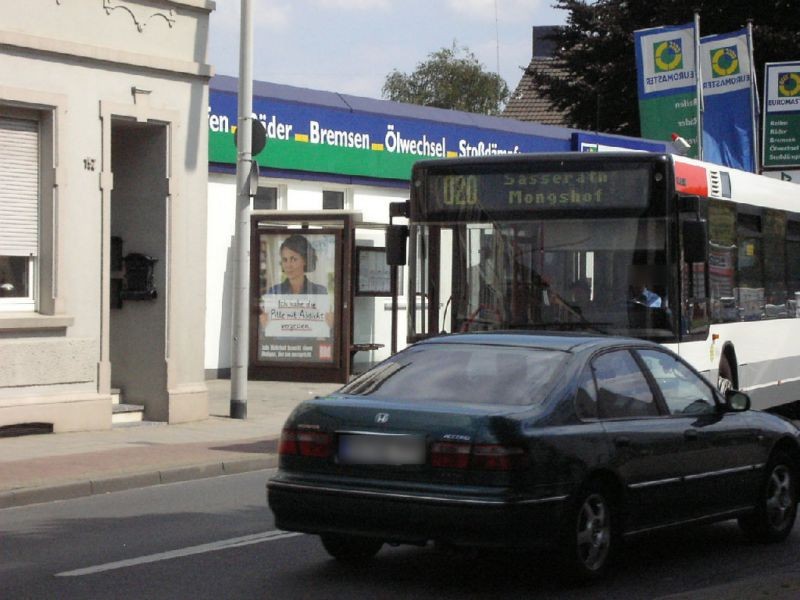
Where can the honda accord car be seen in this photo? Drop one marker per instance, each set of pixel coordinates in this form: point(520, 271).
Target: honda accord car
point(522, 439)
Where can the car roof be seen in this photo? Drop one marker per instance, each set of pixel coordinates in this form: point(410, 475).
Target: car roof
point(563, 341)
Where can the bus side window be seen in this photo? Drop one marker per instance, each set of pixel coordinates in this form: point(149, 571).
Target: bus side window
point(776, 299)
point(749, 292)
point(793, 266)
point(722, 260)
point(694, 317)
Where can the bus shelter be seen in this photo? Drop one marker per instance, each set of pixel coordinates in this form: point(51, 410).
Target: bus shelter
point(301, 289)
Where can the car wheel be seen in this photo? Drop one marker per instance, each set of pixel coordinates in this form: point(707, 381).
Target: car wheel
point(776, 511)
point(724, 376)
point(350, 548)
point(588, 539)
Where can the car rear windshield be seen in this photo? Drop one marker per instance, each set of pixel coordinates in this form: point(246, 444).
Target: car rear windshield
point(462, 373)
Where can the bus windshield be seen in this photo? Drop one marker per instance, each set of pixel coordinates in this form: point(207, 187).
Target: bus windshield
point(606, 275)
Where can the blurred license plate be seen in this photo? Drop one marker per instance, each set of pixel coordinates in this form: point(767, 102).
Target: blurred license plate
point(364, 449)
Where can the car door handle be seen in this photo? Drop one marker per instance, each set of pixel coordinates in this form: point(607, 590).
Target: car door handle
point(691, 435)
point(622, 441)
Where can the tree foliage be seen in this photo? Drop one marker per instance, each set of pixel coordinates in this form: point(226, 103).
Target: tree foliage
point(596, 49)
point(450, 78)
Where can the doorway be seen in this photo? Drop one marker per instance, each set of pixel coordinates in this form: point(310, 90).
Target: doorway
point(139, 217)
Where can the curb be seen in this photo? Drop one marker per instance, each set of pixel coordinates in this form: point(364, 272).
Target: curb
point(106, 485)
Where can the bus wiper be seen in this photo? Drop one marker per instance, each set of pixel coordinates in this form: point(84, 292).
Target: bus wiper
point(581, 323)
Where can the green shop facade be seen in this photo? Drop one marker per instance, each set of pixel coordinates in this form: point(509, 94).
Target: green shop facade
point(332, 165)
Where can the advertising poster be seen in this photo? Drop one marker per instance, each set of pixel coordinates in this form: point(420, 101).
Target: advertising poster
point(297, 275)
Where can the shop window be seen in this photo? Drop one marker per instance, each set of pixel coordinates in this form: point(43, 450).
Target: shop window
point(266, 198)
point(19, 211)
point(332, 200)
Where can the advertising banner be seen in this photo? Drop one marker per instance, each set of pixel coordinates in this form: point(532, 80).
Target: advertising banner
point(729, 107)
point(297, 301)
point(323, 139)
point(781, 145)
point(667, 83)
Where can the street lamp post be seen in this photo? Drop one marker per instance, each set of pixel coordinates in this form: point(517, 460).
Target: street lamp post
point(241, 272)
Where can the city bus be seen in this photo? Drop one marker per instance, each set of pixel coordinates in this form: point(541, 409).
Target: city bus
point(698, 257)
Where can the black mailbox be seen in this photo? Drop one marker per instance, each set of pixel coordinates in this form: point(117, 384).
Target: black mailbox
point(139, 277)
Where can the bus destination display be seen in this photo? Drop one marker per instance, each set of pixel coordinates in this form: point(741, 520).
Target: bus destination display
point(514, 192)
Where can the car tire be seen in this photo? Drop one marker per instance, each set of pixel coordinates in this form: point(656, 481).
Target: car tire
point(588, 537)
point(776, 510)
point(350, 548)
point(724, 376)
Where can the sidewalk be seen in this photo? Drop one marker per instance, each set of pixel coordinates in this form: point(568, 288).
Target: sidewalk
point(43, 468)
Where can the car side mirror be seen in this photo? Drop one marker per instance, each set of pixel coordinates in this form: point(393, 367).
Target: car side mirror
point(737, 401)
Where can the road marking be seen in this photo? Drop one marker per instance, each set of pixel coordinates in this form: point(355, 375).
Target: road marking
point(246, 540)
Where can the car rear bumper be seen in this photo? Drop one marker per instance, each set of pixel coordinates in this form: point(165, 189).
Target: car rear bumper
point(414, 516)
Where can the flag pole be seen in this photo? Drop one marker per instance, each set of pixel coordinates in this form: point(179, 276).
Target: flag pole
point(699, 79)
point(755, 102)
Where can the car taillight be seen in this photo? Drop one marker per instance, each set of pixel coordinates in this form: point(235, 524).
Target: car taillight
point(450, 455)
point(288, 443)
point(482, 457)
point(305, 443)
point(494, 457)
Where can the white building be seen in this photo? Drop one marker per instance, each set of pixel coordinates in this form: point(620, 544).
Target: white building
point(102, 162)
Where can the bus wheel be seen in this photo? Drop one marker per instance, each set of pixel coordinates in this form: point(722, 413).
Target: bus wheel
point(724, 376)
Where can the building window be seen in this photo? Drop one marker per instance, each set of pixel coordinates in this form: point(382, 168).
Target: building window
point(266, 199)
point(332, 200)
point(19, 211)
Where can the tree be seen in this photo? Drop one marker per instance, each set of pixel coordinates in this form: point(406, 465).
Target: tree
point(596, 49)
point(450, 78)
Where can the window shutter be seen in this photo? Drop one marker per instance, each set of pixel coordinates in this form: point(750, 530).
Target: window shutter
point(19, 187)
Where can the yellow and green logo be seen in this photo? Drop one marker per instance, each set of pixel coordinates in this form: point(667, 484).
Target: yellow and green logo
point(724, 62)
point(668, 55)
point(788, 85)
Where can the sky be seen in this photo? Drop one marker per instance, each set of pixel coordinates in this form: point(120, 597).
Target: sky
point(350, 46)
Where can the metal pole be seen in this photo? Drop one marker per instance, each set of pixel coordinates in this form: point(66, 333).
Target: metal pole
point(241, 272)
point(699, 87)
point(754, 100)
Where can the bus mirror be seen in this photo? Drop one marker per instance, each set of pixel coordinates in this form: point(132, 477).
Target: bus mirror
point(396, 245)
point(694, 241)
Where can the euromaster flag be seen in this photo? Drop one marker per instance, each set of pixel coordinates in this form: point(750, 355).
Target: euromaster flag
point(729, 101)
point(781, 115)
point(667, 83)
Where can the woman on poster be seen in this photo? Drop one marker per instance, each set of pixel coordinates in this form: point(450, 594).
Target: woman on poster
point(298, 257)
